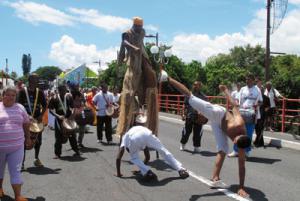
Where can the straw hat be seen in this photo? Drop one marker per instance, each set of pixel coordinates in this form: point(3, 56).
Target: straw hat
point(138, 21)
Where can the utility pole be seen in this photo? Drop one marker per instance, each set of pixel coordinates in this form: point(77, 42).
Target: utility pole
point(6, 70)
point(267, 56)
point(153, 36)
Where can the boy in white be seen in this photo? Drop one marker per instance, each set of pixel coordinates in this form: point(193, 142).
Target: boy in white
point(250, 99)
point(139, 138)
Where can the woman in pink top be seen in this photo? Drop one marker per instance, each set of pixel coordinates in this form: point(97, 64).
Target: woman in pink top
point(14, 129)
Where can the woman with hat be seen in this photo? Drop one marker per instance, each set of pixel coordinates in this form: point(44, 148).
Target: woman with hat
point(14, 122)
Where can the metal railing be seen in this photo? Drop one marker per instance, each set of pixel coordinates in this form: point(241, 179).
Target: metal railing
point(282, 118)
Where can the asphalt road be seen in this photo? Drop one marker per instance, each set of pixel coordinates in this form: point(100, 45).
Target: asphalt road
point(272, 173)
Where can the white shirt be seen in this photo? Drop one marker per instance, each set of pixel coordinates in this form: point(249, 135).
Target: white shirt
point(250, 97)
point(102, 100)
point(140, 137)
point(235, 95)
point(135, 139)
point(116, 98)
point(272, 96)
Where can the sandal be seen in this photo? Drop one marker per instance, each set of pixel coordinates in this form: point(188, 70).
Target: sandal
point(183, 173)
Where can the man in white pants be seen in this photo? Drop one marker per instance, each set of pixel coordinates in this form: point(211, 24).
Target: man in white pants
point(140, 138)
point(224, 124)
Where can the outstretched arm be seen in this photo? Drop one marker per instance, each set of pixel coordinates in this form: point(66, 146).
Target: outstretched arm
point(225, 90)
point(180, 87)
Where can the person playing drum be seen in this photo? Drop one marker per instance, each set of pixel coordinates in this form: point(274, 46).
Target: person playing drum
point(61, 107)
point(35, 104)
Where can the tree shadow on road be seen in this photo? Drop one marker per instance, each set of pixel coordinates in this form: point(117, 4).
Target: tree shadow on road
point(262, 160)
point(8, 198)
point(254, 194)
point(277, 146)
point(202, 153)
point(90, 150)
point(162, 182)
point(197, 197)
point(42, 170)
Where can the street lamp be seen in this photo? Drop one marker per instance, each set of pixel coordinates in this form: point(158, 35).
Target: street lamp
point(161, 55)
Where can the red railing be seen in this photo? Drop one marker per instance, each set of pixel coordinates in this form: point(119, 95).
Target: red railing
point(175, 104)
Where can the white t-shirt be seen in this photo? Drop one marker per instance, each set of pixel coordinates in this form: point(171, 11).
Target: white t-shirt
point(135, 139)
point(235, 95)
point(116, 98)
point(272, 96)
point(250, 97)
point(101, 100)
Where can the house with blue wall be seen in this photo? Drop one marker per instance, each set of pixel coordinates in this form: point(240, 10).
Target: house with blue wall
point(79, 75)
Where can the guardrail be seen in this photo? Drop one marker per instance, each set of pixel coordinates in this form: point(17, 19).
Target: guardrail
point(282, 118)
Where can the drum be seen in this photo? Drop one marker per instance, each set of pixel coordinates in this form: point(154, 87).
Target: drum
point(84, 116)
point(69, 127)
point(112, 111)
point(35, 129)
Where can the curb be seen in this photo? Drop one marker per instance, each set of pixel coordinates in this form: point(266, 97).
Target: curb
point(281, 143)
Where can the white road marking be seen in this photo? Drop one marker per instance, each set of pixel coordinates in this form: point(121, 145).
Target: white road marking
point(227, 192)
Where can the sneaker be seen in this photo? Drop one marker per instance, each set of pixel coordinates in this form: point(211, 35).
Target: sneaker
point(182, 147)
point(197, 150)
point(232, 154)
point(38, 163)
point(218, 184)
point(99, 141)
point(81, 146)
point(109, 142)
point(1, 193)
point(183, 173)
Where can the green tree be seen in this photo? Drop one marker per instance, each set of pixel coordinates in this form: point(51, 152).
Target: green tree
point(48, 72)
point(14, 75)
point(285, 75)
point(26, 64)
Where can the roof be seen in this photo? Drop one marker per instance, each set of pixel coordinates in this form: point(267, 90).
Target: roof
point(90, 73)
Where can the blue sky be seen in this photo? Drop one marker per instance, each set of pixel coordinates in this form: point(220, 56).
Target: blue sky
point(71, 32)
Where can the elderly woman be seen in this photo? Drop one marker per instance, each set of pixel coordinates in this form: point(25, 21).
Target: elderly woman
point(14, 129)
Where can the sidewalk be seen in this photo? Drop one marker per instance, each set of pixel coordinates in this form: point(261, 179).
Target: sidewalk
point(278, 139)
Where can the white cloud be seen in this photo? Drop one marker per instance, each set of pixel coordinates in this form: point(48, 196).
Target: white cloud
point(37, 13)
point(41, 13)
point(296, 2)
point(107, 22)
point(201, 46)
point(67, 53)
